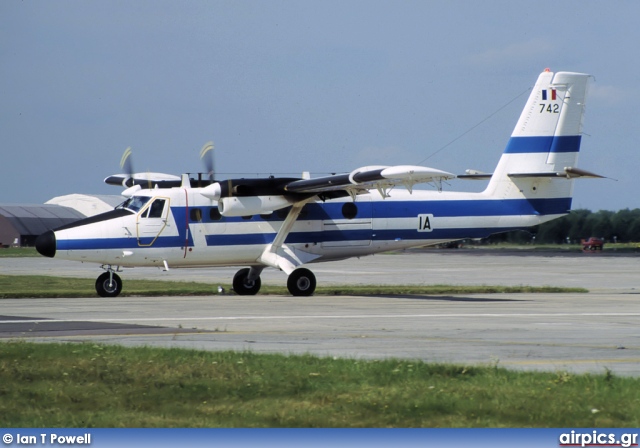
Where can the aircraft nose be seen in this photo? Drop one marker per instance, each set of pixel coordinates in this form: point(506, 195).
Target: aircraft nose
point(46, 244)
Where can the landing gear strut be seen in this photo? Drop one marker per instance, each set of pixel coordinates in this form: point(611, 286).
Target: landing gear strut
point(109, 284)
point(301, 282)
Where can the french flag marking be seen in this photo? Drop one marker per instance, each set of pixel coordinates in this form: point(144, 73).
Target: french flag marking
point(552, 95)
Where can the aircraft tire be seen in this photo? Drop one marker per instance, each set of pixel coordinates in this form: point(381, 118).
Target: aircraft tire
point(244, 288)
point(301, 282)
point(104, 289)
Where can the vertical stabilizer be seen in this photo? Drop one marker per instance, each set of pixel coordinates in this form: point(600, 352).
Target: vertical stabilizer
point(545, 141)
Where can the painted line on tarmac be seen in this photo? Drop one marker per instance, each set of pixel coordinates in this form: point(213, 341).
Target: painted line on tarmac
point(337, 316)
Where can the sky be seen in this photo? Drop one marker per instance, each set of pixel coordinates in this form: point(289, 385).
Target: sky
point(286, 86)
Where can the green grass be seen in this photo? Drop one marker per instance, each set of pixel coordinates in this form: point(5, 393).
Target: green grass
point(8, 252)
point(40, 286)
point(88, 385)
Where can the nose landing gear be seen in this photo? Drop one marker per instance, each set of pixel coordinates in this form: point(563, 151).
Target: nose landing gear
point(109, 284)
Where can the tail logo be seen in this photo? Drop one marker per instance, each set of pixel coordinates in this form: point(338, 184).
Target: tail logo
point(549, 94)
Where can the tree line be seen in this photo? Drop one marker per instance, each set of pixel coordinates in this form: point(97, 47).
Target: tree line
point(622, 226)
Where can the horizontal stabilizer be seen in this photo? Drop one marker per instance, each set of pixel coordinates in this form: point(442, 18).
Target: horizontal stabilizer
point(568, 172)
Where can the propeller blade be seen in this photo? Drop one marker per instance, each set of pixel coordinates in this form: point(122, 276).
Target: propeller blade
point(126, 165)
point(206, 155)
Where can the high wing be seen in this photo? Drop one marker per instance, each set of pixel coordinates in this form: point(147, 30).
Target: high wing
point(382, 178)
point(361, 180)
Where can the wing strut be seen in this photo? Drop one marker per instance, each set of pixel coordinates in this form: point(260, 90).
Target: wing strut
point(280, 256)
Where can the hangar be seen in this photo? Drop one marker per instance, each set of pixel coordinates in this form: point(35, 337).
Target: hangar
point(20, 224)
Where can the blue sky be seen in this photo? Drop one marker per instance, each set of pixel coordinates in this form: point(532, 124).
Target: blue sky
point(283, 87)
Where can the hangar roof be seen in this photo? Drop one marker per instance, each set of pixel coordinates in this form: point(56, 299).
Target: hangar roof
point(35, 219)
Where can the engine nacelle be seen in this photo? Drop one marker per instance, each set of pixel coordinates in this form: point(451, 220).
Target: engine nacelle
point(251, 205)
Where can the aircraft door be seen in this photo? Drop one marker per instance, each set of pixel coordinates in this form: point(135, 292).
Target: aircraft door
point(152, 220)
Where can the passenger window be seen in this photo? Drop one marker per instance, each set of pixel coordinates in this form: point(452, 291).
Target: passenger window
point(349, 210)
point(196, 215)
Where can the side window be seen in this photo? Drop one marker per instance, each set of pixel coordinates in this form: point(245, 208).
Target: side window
point(156, 209)
point(195, 215)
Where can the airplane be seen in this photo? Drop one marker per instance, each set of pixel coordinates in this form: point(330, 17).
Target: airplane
point(289, 223)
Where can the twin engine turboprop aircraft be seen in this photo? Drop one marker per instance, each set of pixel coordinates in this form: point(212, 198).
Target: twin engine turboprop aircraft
point(287, 223)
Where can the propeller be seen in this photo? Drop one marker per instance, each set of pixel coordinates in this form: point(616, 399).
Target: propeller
point(126, 165)
point(149, 180)
point(206, 155)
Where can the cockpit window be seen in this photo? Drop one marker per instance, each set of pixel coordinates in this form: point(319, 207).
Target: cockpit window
point(156, 209)
point(135, 203)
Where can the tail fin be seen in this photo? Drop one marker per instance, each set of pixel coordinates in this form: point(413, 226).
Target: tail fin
point(543, 148)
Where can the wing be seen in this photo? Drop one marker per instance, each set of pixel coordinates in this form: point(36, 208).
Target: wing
point(367, 178)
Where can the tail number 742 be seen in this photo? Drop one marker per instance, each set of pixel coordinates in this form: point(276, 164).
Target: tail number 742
point(425, 223)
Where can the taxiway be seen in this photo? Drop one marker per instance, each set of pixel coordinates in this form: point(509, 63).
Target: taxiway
point(591, 332)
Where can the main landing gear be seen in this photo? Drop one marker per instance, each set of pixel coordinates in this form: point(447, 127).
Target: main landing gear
point(301, 282)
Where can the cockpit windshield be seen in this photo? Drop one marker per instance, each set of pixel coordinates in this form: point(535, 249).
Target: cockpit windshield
point(135, 203)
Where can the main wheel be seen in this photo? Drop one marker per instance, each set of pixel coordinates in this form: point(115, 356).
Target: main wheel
point(243, 286)
point(301, 282)
point(108, 287)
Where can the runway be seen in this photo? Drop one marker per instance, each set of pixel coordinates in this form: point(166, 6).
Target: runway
point(558, 332)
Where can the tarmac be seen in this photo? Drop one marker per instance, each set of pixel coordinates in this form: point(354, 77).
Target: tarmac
point(592, 332)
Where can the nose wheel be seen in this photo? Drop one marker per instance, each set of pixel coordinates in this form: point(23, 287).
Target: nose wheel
point(108, 284)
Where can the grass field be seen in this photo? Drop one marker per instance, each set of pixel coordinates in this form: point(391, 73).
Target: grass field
point(9, 252)
point(39, 286)
point(89, 385)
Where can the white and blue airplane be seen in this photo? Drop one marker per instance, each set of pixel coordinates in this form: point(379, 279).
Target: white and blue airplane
point(287, 223)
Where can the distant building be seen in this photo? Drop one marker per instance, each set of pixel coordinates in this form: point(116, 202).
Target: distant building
point(21, 224)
